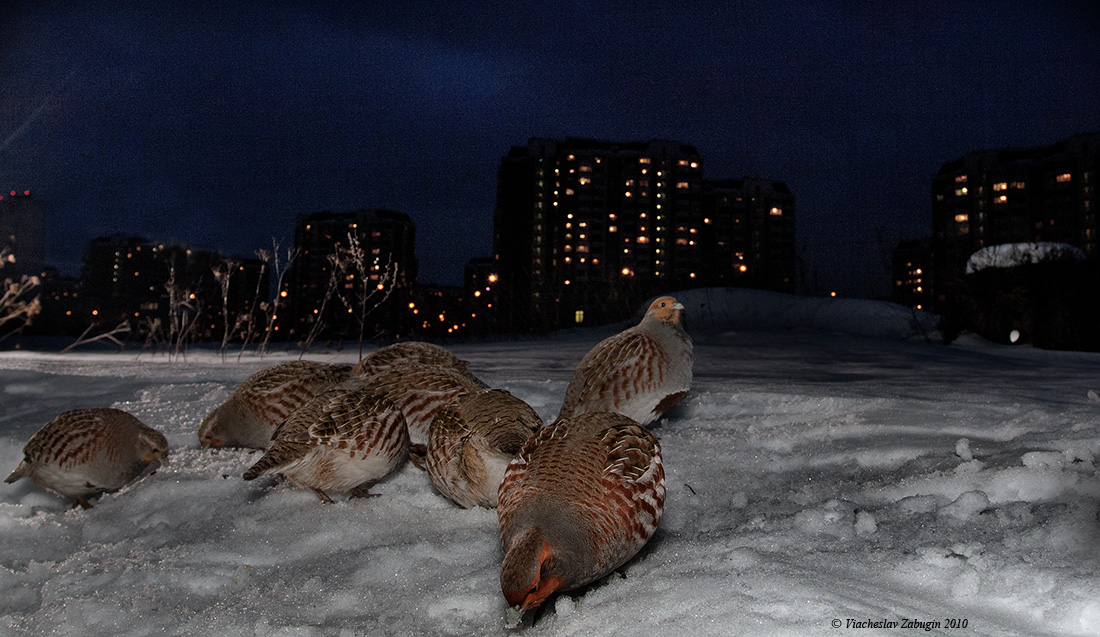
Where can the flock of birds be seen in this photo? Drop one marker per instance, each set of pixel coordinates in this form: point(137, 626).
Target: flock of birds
point(575, 499)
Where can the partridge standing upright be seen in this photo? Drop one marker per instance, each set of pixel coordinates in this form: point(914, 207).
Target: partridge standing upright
point(341, 440)
point(640, 372)
point(580, 499)
point(265, 399)
point(87, 451)
point(417, 352)
point(472, 439)
point(420, 391)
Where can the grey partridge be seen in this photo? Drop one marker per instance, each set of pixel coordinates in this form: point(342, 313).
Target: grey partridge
point(249, 416)
point(417, 352)
point(88, 451)
point(340, 441)
point(471, 441)
point(640, 372)
point(419, 391)
point(581, 498)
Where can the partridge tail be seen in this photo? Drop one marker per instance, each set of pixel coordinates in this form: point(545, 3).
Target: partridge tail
point(22, 471)
point(265, 464)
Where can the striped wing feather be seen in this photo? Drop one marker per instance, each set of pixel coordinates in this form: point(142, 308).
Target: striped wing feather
point(613, 372)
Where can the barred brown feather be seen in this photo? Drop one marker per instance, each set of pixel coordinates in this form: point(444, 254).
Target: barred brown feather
point(640, 372)
point(420, 391)
point(343, 438)
point(581, 498)
point(87, 451)
point(472, 439)
point(412, 352)
point(265, 399)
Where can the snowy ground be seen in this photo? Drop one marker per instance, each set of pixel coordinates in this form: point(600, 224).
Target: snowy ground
point(813, 477)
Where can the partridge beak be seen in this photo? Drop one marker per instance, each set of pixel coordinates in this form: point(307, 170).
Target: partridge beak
point(678, 306)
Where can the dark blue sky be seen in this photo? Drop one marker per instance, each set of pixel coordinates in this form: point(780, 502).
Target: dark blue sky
point(216, 123)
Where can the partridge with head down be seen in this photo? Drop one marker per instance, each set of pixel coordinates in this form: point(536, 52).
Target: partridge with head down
point(88, 451)
point(249, 416)
point(471, 441)
point(580, 499)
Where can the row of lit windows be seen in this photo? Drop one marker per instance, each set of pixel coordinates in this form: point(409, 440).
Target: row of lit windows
point(1000, 186)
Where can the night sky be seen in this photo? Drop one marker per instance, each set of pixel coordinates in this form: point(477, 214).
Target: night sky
point(216, 123)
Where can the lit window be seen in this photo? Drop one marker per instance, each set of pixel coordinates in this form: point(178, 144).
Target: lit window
point(1063, 178)
point(682, 185)
point(1003, 185)
point(584, 181)
point(612, 228)
point(578, 316)
point(1000, 199)
point(682, 162)
point(585, 168)
point(777, 212)
point(568, 191)
point(643, 160)
point(1019, 185)
point(627, 194)
point(960, 191)
point(960, 179)
point(962, 218)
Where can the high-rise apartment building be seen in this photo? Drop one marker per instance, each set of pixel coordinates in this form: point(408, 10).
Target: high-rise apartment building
point(912, 272)
point(584, 230)
point(340, 260)
point(1012, 195)
point(748, 235)
point(22, 234)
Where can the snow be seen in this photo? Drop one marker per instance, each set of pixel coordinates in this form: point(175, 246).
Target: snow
point(1011, 255)
point(833, 462)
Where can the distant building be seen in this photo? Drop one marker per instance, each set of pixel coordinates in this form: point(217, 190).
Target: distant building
point(912, 268)
point(436, 311)
point(585, 230)
point(481, 291)
point(22, 233)
point(127, 278)
point(747, 236)
point(1012, 195)
point(328, 282)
